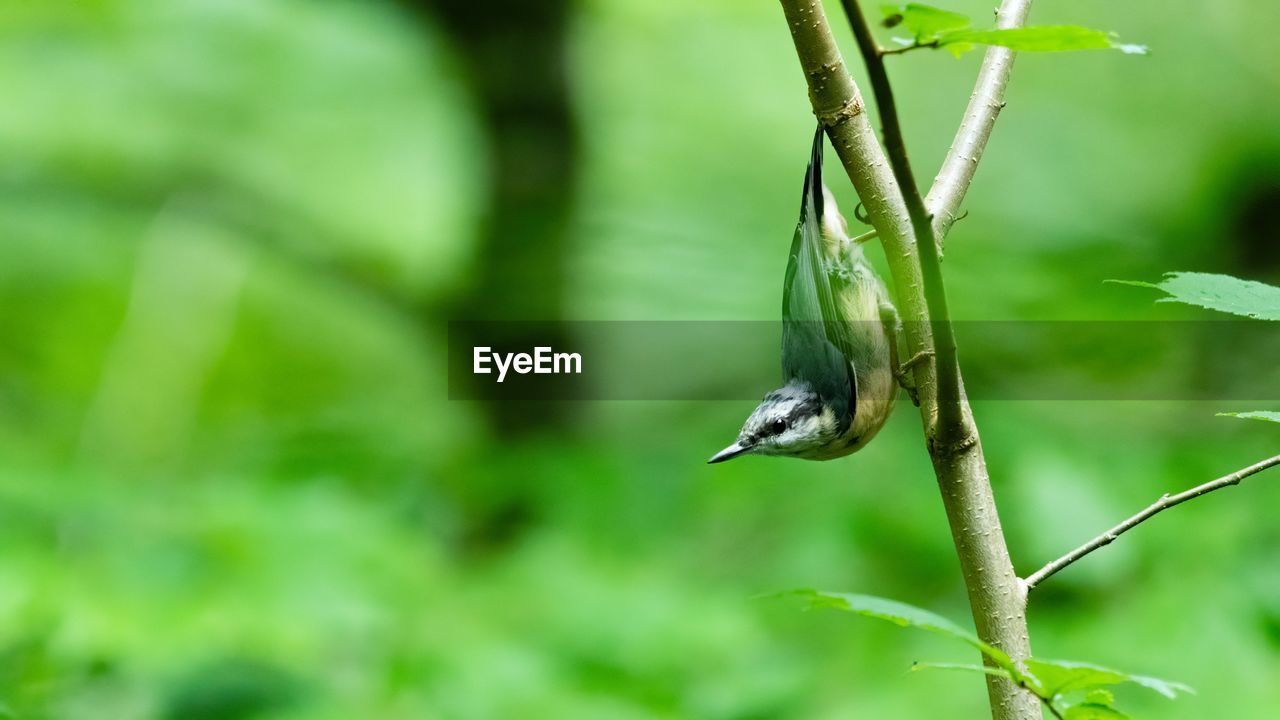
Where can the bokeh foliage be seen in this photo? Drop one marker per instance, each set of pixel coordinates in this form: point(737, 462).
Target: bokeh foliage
point(233, 487)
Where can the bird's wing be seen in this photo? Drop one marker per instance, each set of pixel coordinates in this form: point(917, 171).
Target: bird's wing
point(816, 341)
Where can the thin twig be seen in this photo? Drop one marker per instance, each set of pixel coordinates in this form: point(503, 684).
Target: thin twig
point(1052, 708)
point(1164, 503)
point(1047, 702)
point(951, 428)
point(909, 48)
point(953, 180)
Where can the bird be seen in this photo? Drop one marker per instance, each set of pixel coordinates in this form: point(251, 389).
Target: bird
point(839, 341)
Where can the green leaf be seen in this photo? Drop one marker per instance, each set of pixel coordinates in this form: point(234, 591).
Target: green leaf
point(1057, 677)
point(1048, 679)
point(1093, 711)
point(924, 22)
point(957, 49)
point(1042, 38)
point(1100, 697)
point(1097, 705)
point(1267, 415)
point(904, 615)
point(1223, 293)
point(963, 667)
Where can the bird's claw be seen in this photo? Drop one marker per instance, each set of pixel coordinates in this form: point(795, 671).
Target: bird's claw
point(904, 378)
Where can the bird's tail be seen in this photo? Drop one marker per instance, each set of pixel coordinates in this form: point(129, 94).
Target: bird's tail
point(815, 348)
point(818, 205)
point(812, 203)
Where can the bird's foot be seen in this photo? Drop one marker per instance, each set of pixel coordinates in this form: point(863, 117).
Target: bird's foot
point(903, 374)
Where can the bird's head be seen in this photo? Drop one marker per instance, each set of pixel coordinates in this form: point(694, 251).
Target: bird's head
point(789, 421)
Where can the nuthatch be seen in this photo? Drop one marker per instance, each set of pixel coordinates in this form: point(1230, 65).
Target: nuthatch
point(839, 342)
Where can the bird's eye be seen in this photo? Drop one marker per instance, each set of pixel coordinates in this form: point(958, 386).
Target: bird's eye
point(777, 427)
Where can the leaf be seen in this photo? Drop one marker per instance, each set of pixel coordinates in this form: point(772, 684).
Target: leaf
point(1093, 711)
point(1223, 293)
point(957, 49)
point(1042, 38)
point(1047, 679)
point(904, 615)
point(1097, 705)
point(924, 22)
point(1100, 697)
point(1057, 677)
point(964, 667)
point(1267, 415)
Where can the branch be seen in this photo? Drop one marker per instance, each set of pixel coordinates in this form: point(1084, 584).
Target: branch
point(953, 180)
point(996, 595)
point(908, 48)
point(1047, 702)
point(1164, 503)
point(951, 428)
point(1053, 710)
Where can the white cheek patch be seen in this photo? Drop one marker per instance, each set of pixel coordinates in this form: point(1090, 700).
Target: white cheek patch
point(788, 438)
point(808, 427)
point(825, 422)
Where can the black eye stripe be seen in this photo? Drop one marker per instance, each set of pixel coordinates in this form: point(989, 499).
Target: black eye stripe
point(801, 410)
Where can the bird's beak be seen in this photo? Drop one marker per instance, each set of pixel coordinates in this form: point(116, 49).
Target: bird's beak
point(729, 453)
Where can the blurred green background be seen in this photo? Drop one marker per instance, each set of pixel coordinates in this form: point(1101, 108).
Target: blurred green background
point(232, 487)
